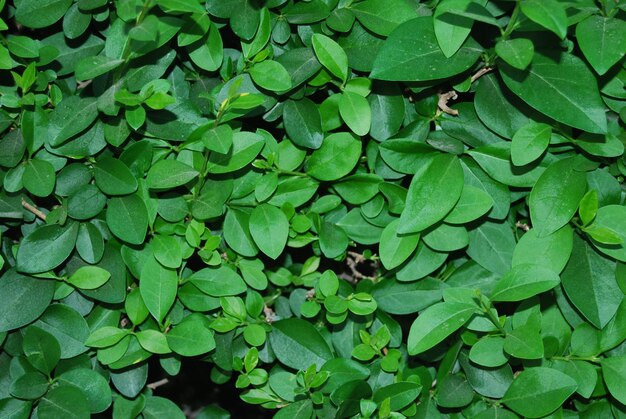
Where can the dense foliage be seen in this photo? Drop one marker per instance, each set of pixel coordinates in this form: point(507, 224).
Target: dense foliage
point(377, 208)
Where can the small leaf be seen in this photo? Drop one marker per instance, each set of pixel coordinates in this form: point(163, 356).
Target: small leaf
point(269, 227)
point(331, 55)
point(356, 112)
point(158, 286)
point(89, 277)
point(437, 323)
point(517, 52)
point(92, 67)
point(529, 143)
point(548, 13)
point(167, 174)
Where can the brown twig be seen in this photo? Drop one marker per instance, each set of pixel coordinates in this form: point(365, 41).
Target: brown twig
point(270, 316)
point(354, 259)
point(34, 210)
point(523, 226)
point(82, 84)
point(443, 102)
point(158, 384)
point(444, 98)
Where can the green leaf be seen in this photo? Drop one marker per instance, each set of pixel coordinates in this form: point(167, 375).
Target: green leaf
point(72, 116)
point(610, 217)
point(356, 112)
point(473, 204)
point(517, 53)
point(588, 207)
point(601, 41)
point(167, 174)
point(14, 408)
point(554, 198)
point(330, 55)
point(218, 282)
point(491, 245)
point(451, 30)
point(539, 391)
point(589, 282)
point(297, 344)
point(208, 52)
point(614, 373)
point(524, 342)
point(246, 146)
point(39, 177)
point(68, 327)
point(183, 6)
point(106, 336)
point(437, 323)
point(435, 189)
point(269, 228)
point(383, 16)
point(41, 13)
point(524, 281)
point(401, 394)
point(565, 90)
point(30, 386)
point(303, 123)
point(530, 142)
point(489, 352)
point(42, 349)
point(127, 218)
point(551, 251)
point(46, 247)
point(25, 298)
point(113, 177)
point(191, 337)
point(167, 250)
point(271, 75)
point(66, 401)
point(93, 384)
point(338, 155)
point(158, 287)
point(548, 13)
point(89, 277)
point(92, 67)
point(395, 249)
point(411, 53)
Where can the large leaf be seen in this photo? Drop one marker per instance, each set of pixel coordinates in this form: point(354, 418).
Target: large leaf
point(25, 298)
point(563, 88)
point(41, 13)
point(383, 16)
point(127, 217)
point(601, 41)
point(46, 247)
point(167, 174)
point(554, 198)
point(303, 123)
point(336, 157)
point(589, 282)
point(297, 344)
point(614, 373)
point(538, 391)
point(524, 281)
point(411, 53)
point(435, 189)
point(269, 227)
point(158, 287)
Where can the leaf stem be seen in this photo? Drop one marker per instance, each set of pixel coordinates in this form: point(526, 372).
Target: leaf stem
point(510, 27)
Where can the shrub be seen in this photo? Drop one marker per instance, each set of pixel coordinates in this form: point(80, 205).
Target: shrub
point(377, 208)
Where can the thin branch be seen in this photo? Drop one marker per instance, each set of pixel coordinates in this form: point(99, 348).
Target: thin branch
point(444, 98)
point(158, 384)
point(443, 102)
point(34, 210)
point(481, 73)
point(82, 84)
point(523, 226)
point(270, 316)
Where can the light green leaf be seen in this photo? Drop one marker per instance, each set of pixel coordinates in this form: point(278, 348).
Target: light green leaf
point(331, 55)
point(39, 177)
point(435, 189)
point(218, 282)
point(524, 281)
point(437, 323)
point(41, 13)
point(25, 298)
point(395, 249)
point(64, 401)
point(451, 30)
point(551, 251)
point(167, 174)
point(271, 75)
point(89, 277)
point(113, 177)
point(356, 112)
point(191, 337)
point(611, 217)
point(383, 16)
point(336, 157)
point(41, 348)
point(530, 142)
